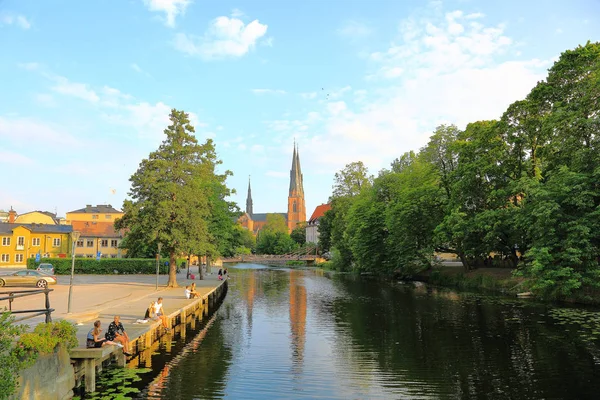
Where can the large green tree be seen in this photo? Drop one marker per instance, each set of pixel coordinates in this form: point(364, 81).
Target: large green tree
point(177, 197)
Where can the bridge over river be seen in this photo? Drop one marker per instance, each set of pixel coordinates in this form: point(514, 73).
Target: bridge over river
point(308, 255)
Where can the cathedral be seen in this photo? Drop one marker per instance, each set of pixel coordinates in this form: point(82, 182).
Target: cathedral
point(296, 209)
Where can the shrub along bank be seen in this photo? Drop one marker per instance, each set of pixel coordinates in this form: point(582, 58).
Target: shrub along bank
point(104, 266)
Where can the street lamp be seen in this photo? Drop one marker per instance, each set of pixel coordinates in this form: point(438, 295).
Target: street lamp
point(74, 239)
point(157, 263)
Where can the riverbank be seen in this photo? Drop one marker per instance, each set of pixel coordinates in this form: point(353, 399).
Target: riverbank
point(101, 298)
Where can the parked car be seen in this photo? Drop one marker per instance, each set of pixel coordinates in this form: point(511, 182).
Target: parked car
point(47, 268)
point(28, 277)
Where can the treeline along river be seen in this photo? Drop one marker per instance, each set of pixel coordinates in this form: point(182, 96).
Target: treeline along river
point(290, 334)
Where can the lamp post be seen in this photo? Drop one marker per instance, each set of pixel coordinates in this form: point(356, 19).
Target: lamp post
point(74, 239)
point(157, 263)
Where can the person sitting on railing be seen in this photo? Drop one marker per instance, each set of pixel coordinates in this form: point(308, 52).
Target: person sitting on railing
point(93, 338)
point(190, 292)
point(220, 274)
point(158, 311)
point(116, 332)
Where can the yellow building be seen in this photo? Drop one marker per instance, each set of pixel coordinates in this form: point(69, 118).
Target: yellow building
point(97, 238)
point(39, 217)
point(99, 213)
point(18, 242)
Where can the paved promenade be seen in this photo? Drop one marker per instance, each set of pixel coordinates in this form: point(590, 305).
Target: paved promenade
point(104, 296)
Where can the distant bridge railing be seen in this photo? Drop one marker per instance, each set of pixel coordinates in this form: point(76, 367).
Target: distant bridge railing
point(15, 294)
point(305, 254)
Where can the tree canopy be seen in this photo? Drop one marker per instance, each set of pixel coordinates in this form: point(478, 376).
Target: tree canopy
point(524, 188)
point(178, 199)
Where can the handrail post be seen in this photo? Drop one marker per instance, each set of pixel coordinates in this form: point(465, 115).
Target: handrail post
point(10, 300)
point(48, 312)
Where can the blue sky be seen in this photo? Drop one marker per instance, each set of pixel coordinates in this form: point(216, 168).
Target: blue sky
point(87, 86)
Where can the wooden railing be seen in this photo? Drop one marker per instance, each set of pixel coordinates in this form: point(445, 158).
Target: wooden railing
point(15, 294)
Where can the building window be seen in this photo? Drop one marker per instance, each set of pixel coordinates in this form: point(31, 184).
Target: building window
point(94, 217)
point(294, 206)
point(18, 258)
point(6, 241)
point(79, 243)
point(5, 258)
point(21, 241)
point(108, 216)
point(56, 242)
point(104, 243)
point(114, 243)
point(90, 243)
point(35, 241)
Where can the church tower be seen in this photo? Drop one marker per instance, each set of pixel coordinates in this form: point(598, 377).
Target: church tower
point(249, 200)
point(296, 208)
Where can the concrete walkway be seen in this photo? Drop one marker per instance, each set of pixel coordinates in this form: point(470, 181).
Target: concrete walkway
point(104, 296)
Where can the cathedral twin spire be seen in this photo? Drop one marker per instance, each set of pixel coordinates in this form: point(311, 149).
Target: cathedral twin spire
point(296, 212)
point(296, 178)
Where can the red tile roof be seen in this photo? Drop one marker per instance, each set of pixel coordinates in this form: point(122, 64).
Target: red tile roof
point(319, 212)
point(96, 229)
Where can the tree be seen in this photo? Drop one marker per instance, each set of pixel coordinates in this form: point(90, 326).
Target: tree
point(171, 195)
point(299, 233)
point(273, 238)
point(351, 180)
point(324, 228)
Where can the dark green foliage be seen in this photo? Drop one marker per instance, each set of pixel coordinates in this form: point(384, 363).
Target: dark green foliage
point(11, 361)
point(299, 234)
point(19, 349)
point(105, 266)
point(178, 200)
point(273, 238)
point(525, 189)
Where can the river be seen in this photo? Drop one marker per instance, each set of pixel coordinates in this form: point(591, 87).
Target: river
point(308, 334)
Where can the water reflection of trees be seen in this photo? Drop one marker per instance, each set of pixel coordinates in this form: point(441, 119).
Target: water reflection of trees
point(465, 347)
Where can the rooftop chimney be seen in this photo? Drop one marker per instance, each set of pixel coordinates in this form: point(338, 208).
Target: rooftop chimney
point(12, 215)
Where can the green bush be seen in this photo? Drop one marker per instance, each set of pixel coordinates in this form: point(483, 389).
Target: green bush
point(11, 359)
point(45, 338)
point(295, 263)
point(104, 266)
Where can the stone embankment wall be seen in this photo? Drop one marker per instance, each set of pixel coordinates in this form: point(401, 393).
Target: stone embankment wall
point(51, 377)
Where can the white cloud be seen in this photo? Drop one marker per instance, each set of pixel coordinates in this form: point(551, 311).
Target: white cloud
point(442, 74)
point(171, 9)
point(237, 13)
point(268, 91)
point(308, 96)
point(28, 133)
point(15, 159)
point(30, 66)
point(45, 99)
point(354, 29)
point(79, 90)
point(226, 37)
point(139, 69)
point(17, 20)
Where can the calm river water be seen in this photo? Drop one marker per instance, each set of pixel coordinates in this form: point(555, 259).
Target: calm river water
point(291, 334)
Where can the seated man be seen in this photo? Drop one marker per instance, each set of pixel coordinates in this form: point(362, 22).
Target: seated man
point(116, 333)
point(158, 311)
point(188, 292)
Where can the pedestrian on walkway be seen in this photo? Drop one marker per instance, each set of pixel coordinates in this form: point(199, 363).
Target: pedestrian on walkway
point(116, 333)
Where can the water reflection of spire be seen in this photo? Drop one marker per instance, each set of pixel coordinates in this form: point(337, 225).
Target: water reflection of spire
point(250, 293)
point(297, 317)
